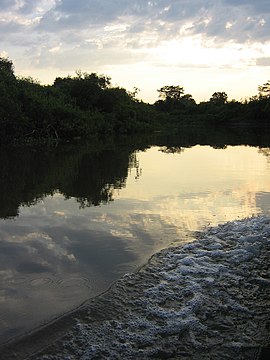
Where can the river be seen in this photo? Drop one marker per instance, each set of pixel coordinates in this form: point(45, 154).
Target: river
point(77, 218)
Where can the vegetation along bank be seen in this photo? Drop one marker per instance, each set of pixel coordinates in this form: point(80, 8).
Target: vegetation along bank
point(88, 105)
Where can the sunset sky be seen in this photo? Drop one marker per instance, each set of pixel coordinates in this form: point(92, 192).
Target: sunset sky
point(204, 46)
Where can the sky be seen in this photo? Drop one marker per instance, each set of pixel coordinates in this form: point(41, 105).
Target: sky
point(204, 46)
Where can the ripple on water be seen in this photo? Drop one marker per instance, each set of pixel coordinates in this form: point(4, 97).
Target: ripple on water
point(17, 280)
point(41, 282)
point(74, 282)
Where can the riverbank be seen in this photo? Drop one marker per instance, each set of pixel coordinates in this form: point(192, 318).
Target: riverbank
point(208, 299)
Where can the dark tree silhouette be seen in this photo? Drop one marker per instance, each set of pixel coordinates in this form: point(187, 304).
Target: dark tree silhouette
point(219, 98)
point(88, 106)
point(264, 90)
point(6, 66)
point(173, 92)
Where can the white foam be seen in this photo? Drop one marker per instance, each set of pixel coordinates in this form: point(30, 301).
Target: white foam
point(186, 301)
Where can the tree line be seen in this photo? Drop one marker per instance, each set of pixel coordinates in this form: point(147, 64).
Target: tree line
point(87, 105)
point(84, 105)
point(218, 110)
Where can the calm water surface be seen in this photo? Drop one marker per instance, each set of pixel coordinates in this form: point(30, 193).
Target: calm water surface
point(73, 224)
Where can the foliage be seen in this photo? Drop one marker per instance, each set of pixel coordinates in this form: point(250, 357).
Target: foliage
point(174, 99)
point(173, 92)
point(219, 98)
point(10, 107)
point(264, 90)
point(84, 89)
point(6, 67)
point(87, 105)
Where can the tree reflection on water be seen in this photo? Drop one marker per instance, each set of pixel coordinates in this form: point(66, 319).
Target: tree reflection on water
point(91, 172)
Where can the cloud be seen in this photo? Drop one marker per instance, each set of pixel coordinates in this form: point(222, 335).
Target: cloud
point(10, 27)
point(90, 55)
point(115, 29)
point(7, 4)
point(68, 14)
point(261, 6)
point(263, 61)
point(237, 20)
point(93, 34)
point(153, 20)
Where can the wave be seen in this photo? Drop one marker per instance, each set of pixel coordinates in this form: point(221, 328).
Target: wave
point(205, 299)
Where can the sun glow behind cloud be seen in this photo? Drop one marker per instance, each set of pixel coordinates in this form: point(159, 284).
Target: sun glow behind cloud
point(201, 71)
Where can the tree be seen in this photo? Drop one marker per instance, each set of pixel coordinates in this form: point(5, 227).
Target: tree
point(219, 98)
point(188, 99)
point(264, 90)
point(10, 109)
point(134, 93)
point(85, 89)
point(173, 92)
point(6, 66)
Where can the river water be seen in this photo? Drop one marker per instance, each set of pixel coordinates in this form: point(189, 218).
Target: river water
point(74, 220)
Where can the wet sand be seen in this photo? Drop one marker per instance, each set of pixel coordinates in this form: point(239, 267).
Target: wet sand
point(208, 299)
